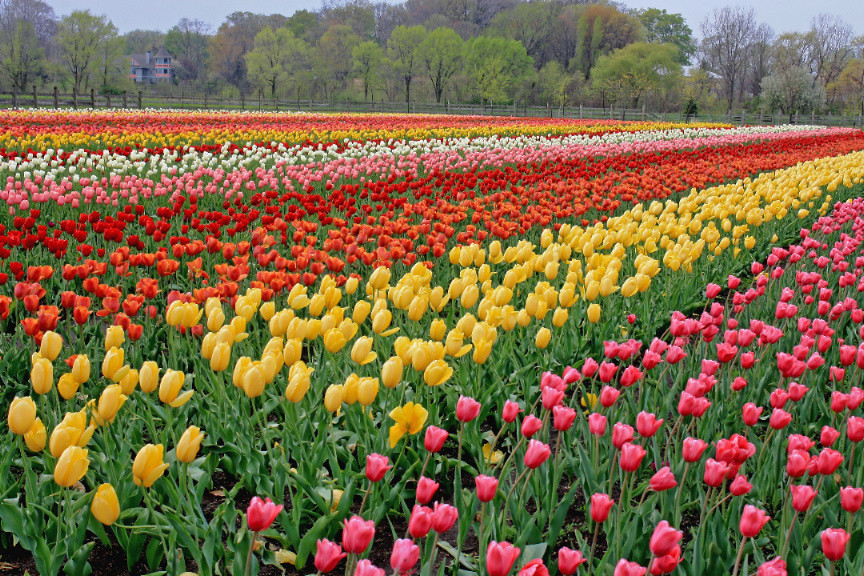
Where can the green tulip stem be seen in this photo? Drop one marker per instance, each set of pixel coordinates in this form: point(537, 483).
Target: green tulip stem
point(248, 569)
point(738, 557)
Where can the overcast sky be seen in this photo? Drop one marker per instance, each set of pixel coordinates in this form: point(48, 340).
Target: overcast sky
point(782, 15)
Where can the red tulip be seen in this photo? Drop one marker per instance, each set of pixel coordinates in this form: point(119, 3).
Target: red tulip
point(534, 568)
point(589, 368)
point(607, 371)
point(426, 488)
point(802, 497)
point(776, 567)
point(357, 534)
point(625, 568)
point(467, 409)
point(366, 568)
point(443, 517)
point(601, 504)
point(828, 436)
point(834, 542)
point(563, 417)
point(569, 561)
point(621, 434)
point(434, 439)
point(608, 396)
point(855, 428)
point(851, 499)
point(261, 513)
point(664, 539)
point(828, 461)
point(420, 522)
point(647, 424)
point(715, 472)
point(327, 555)
point(597, 424)
point(693, 448)
point(376, 467)
point(551, 397)
point(779, 419)
point(404, 556)
point(530, 425)
point(752, 521)
point(486, 487)
point(663, 480)
point(751, 413)
point(631, 457)
point(536, 453)
point(500, 558)
point(740, 486)
point(511, 410)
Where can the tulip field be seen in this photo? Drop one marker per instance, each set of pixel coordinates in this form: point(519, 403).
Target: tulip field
point(260, 343)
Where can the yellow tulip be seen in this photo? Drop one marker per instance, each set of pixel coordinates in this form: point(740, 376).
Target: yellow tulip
point(22, 414)
point(105, 506)
point(409, 419)
point(367, 391)
point(351, 286)
point(67, 386)
point(148, 465)
point(52, 344)
point(437, 330)
point(482, 349)
point(36, 436)
point(114, 337)
point(334, 340)
point(253, 381)
point(175, 313)
point(560, 317)
point(298, 385)
point(71, 466)
point(191, 314)
point(544, 335)
point(361, 352)
point(594, 313)
point(293, 351)
point(379, 278)
point(361, 311)
point(437, 372)
point(81, 368)
point(220, 357)
point(391, 372)
point(350, 389)
point(70, 431)
point(240, 367)
point(267, 310)
point(190, 442)
point(333, 397)
point(169, 389)
point(208, 343)
point(112, 362)
point(215, 319)
point(42, 375)
point(148, 376)
point(490, 456)
point(129, 382)
point(110, 401)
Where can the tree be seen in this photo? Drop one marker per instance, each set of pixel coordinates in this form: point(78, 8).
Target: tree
point(332, 58)
point(26, 31)
point(638, 70)
point(792, 90)
point(555, 84)
point(111, 68)
point(661, 26)
point(600, 30)
point(366, 58)
point(440, 54)
point(188, 41)
point(140, 41)
point(759, 59)
point(850, 84)
point(80, 36)
point(496, 65)
point(727, 35)
point(301, 24)
point(528, 22)
point(387, 18)
point(236, 37)
point(828, 42)
point(358, 14)
point(275, 57)
point(402, 48)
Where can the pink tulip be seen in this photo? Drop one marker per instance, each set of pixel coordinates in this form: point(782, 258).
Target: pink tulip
point(261, 513)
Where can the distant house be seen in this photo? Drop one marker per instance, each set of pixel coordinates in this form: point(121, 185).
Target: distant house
point(150, 69)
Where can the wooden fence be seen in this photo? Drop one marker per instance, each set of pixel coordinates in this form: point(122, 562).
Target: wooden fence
point(92, 100)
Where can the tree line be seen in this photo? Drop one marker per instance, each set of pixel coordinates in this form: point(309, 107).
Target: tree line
point(557, 52)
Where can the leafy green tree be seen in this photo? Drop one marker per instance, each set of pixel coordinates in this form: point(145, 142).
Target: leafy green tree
point(631, 73)
point(188, 41)
point(80, 36)
point(528, 22)
point(275, 57)
point(671, 28)
point(402, 50)
point(111, 70)
point(496, 66)
point(139, 41)
point(440, 54)
point(21, 56)
point(792, 90)
point(332, 57)
point(555, 84)
point(366, 58)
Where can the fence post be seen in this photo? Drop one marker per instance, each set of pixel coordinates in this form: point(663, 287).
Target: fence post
point(125, 103)
point(74, 97)
point(140, 100)
point(56, 98)
point(92, 98)
point(35, 98)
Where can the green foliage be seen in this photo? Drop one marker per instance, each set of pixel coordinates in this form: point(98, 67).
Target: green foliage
point(402, 50)
point(640, 69)
point(496, 66)
point(366, 58)
point(81, 39)
point(441, 55)
point(276, 56)
point(661, 26)
point(332, 57)
point(21, 57)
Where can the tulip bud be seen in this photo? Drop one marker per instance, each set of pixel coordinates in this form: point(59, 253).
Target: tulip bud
point(327, 554)
point(261, 513)
point(52, 344)
point(114, 337)
point(22, 414)
point(36, 436)
point(357, 533)
point(105, 506)
point(391, 372)
point(148, 465)
point(220, 357)
point(190, 442)
point(71, 466)
point(42, 375)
